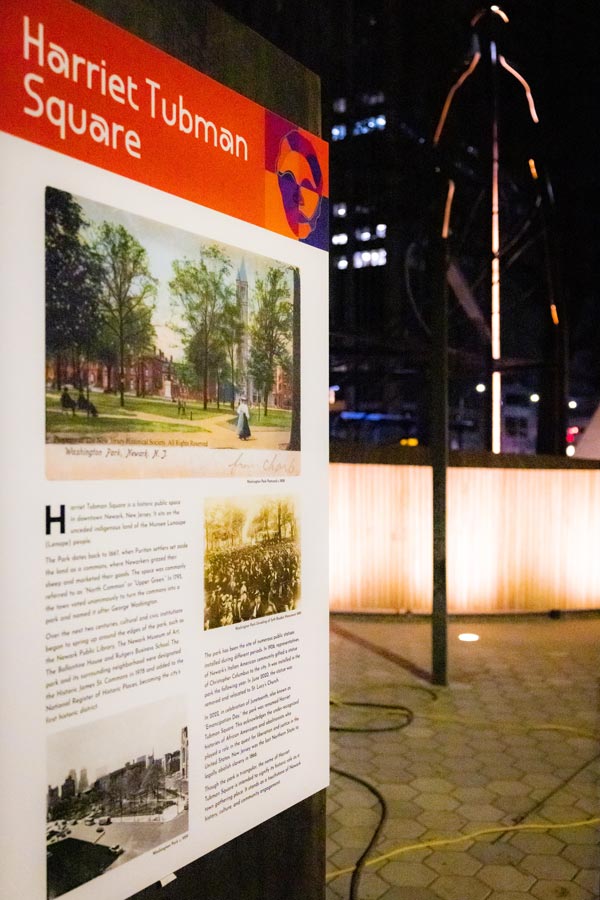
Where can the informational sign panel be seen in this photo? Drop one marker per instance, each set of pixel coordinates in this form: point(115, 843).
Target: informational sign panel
point(163, 675)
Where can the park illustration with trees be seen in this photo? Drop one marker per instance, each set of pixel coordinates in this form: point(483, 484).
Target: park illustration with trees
point(151, 330)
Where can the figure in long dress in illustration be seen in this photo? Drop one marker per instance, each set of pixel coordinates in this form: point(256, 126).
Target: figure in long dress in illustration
point(243, 426)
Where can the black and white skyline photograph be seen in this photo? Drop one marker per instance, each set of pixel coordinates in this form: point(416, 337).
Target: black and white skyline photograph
point(117, 787)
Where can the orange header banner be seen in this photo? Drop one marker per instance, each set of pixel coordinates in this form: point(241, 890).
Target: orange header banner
point(74, 83)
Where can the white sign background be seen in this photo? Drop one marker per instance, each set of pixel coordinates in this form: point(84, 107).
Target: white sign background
point(26, 171)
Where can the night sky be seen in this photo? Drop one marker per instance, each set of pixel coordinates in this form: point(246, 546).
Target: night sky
point(420, 46)
point(557, 44)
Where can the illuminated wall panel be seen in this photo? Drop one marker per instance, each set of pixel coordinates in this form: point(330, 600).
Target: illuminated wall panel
point(519, 540)
point(380, 527)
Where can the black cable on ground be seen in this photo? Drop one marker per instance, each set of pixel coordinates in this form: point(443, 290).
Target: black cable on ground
point(356, 875)
point(393, 708)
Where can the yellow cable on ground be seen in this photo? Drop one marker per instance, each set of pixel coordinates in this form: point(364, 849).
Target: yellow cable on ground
point(504, 725)
point(444, 842)
point(461, 720)
point(498, 829)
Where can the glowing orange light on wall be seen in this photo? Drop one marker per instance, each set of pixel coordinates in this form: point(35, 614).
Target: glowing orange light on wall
point(498, 561)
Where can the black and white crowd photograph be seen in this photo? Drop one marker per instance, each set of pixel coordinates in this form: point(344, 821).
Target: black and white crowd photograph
point(252, 558)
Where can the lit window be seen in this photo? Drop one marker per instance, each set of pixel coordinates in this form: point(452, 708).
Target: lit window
point(363, 234)
point(367, 126)
point(381, 230)
point(364, 258)
point(341, 262)
point(339, 105)
point(340, 210)
point(339, 238)
point(338, 132)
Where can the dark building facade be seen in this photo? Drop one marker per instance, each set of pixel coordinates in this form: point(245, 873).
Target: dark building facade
point(387, 69)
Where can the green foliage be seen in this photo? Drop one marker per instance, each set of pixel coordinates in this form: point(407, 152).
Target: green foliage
point(127, 293)
point(73, 273)
point(271, 329)
point(277, 418)
point(108, 405)
point(185, 374)
point(201, 290)
point(232, 332)
point(59, 423)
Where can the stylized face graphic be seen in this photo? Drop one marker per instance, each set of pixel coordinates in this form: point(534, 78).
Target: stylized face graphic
point(300, 183)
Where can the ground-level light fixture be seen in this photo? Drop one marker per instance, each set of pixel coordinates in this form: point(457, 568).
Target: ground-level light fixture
point(572, 404)
point(480, 388)
point(570, 450)
point(535, 398)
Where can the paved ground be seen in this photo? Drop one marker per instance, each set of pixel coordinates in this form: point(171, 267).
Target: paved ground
point(511, 743)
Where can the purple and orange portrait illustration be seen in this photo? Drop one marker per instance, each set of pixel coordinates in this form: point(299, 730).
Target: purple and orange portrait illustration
point(300, 183)
point(296, 185)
